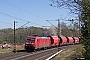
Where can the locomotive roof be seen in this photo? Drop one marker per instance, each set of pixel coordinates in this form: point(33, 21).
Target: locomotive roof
point(43, 37)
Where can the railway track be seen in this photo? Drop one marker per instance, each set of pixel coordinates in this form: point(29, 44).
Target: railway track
point(42, 55)
point(37, 55)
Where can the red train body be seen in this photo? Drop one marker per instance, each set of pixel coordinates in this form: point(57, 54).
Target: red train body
point(76, 40)
point(54, 41)
point(70, 40)
point(35, 42)
point(63, 40)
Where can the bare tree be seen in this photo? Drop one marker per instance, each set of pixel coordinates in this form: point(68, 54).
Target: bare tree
point(52, 31)
point(74, 5)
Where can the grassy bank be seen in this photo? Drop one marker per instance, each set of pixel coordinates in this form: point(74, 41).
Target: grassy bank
point(70, 54)
point(7, 51)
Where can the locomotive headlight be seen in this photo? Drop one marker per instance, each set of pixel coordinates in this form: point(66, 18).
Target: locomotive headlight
point(27, 43)
point(32, 43)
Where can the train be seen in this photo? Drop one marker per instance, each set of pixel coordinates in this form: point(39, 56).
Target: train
point(35, 42)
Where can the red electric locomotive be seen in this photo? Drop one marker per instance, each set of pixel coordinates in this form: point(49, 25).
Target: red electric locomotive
point(35, 42)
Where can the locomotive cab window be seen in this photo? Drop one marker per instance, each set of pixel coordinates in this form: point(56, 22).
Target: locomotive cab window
point(31, 39)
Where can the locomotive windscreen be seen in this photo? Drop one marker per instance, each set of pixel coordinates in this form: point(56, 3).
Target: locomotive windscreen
point(31, 39)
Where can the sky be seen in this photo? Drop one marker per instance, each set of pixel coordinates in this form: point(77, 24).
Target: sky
point(28, 13)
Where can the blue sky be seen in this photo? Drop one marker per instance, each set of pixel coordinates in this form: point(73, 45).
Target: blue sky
point(35, 11)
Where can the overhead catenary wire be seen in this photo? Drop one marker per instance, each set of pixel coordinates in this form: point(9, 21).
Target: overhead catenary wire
point(18, 18)
point(23, 25)
point(19, 8)
point(51, 23)
point(6, 23)
point(20, 13)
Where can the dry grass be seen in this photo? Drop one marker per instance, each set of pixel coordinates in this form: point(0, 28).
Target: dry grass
point(9, 50)
point(5, 51)
point(70, 54)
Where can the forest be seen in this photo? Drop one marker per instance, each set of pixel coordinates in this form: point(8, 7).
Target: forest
point(7, 35)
